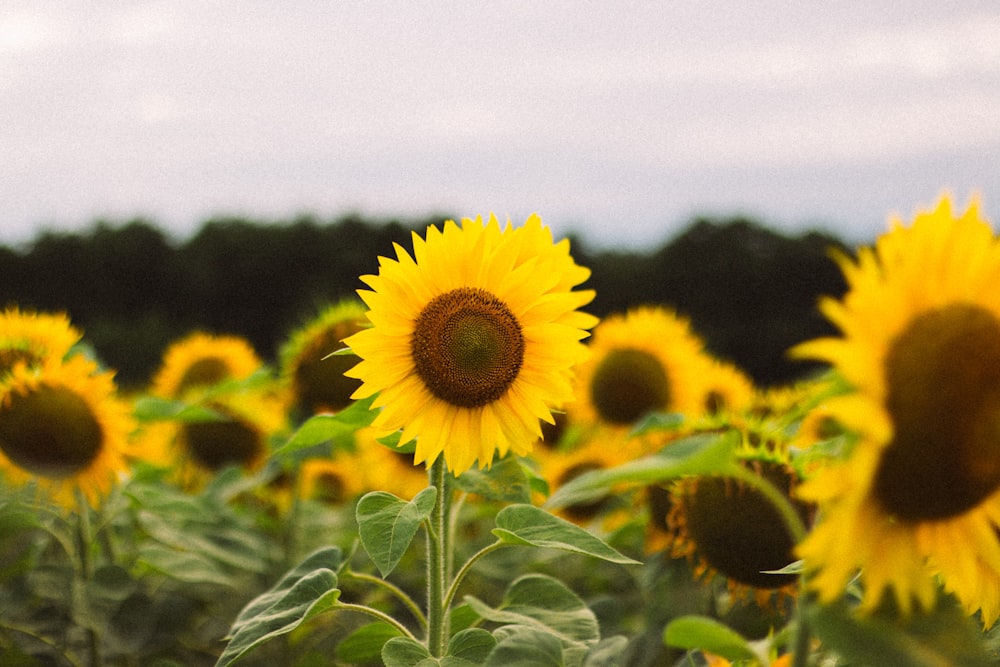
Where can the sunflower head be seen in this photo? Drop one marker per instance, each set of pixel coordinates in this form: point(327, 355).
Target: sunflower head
point(32, 339)
point(201, 360)
point(316, 379)
point(920, 354)
point(473, 339)
point(63, 427)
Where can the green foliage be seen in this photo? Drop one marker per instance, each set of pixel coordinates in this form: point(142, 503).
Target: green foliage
point(527, 525)
point(387, 525)
point(708, 634)
point(334, 431)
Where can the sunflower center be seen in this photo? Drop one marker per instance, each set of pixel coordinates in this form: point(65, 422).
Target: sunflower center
point(943, 379)
point(737, 530)
point(216, 444)
point(50, 431)
point(320, 382)
point(627, 384)
point(204, 372)
point(467, 347)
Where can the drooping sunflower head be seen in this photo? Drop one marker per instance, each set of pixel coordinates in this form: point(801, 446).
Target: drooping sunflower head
point(201, 360)
point(647, 360)
point(473, 339)
point(921, 353)
point(31, 338)
point(316, 380)
point(63, 427)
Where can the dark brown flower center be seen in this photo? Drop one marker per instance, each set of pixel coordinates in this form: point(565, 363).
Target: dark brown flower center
point(216, 444)
point(943, 397)
point(204, 372)
point(467, 347)
point(318, 379)
point(627, 384)
point(737, 530)
point(50, 431)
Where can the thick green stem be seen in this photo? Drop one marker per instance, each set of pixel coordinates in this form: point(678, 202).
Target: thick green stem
point(800, 649)
point(438, 547)
point(85, 572)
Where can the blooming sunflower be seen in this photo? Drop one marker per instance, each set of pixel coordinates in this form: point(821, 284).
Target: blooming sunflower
point(919, 492)
point(202, 360)
point(473, 339)
point(32, 338)
point(63, 427)
point(647, 360)
point(315, 379)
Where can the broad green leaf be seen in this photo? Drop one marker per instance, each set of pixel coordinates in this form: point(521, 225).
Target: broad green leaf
point(336, 428)
point(704, 453)
point(657, 421)
point(541, 602)
point(364, 645)
point(387, 524)
point(186, 566)
point(707, 634)
point(473, 645)
point(392, 442)
point(606, 653)
point(528, 525)
point(521, 646)
point(945, 636)
point(504, 481)
point(307, 590)
point(404, 652)
point(154, 408)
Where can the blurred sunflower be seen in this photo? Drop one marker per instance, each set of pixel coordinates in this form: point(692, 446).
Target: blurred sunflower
point(647, 360)
point(33, 338)
point(473, 339)
point(733, 530)
point(63, 427)
point(727, 388)
point(381, 468)
point(919, 492)
point(316, 380)
point(201, 360)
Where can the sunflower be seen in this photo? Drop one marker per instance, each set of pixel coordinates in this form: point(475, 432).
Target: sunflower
point(918, 494)
point(32, 338)
point(315, 379)
point(647, 360)
point(473, 339)
point(63, 427)
point(202, 360)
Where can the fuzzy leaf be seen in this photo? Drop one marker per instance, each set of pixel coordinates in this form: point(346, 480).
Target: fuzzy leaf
point(707, 634)
point(521, 646)
point(705, 453)
point(364, 645)
point(528, 525)
point(336, 428)
point(473, 645)
point(404, 652)
point(504, 481)
point(387, 524)
point(308, 589)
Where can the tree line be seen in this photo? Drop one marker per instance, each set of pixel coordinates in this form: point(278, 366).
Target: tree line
point(749, 291)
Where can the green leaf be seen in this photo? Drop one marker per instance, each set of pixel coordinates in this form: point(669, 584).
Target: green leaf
point(945, 636)
point(154, 408)
point(307, 590)
point(657, 421)
point(338, 429)
point(505, 481)
point(528, 525)
point(404, 652)
point(606, 653)
point(364, 645)
point(521, 646)
point(704, 453)
point(473, 645)
point(387, 524)
point(541, 602)
point(707, 634)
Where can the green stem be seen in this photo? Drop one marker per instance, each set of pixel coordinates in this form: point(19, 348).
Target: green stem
point(438, 546)
point(395, 590)
point(453, 589)
point(800, 649)
point(375, 613)
point(85, 572)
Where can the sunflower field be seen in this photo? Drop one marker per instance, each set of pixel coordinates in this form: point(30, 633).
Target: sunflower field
point(461, 466)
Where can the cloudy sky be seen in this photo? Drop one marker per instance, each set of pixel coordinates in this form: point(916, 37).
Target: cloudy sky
point(619, 121)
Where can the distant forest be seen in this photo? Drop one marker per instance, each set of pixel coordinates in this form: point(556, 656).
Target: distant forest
point(750, 292)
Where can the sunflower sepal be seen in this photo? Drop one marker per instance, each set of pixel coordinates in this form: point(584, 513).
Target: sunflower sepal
point(387, 525)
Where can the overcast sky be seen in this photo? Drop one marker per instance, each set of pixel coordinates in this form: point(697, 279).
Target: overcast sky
point(617, 120)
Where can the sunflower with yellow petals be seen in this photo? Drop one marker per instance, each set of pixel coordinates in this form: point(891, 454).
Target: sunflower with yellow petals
point(646, 360)
point(315, 379)
point(63, 427)
point(473, 339)
point(201, 360)
point(919, 492)
point(33, 338)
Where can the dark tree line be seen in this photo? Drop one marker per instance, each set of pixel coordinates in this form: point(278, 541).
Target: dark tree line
point(750, 292)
